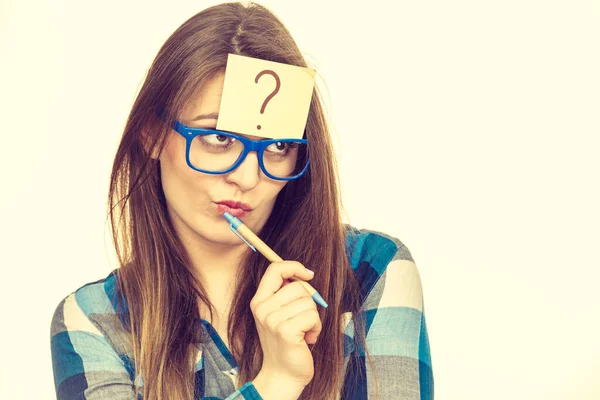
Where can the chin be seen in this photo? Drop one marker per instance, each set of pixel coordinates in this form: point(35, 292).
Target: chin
point(219, 234)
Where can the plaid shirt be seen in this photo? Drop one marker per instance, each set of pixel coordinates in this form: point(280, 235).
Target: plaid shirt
point(92, 357)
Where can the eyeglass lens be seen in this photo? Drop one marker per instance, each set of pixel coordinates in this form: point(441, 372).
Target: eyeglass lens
point(216, 153)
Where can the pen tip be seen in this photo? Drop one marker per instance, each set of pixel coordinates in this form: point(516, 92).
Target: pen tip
point(228, 217)
point(319, 300)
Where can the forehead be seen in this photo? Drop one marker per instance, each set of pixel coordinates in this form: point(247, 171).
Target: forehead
point(205, 101)
point(202, 110)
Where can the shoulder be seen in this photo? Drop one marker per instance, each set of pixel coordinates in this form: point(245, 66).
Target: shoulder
point(83, 308)
point(385, 268)
point(376, 247)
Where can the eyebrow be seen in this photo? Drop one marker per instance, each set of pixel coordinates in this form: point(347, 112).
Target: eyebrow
point(206, 116)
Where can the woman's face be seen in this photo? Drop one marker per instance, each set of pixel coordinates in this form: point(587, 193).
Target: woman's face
point(192, 196)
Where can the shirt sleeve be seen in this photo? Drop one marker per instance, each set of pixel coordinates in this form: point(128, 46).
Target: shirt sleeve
point(397, 338)
point(84, 363)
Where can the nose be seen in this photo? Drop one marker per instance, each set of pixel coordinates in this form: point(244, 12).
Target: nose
point(247, 174)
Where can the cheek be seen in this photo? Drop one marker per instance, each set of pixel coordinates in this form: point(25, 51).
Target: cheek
point(171, 165)
point(173, 153)
point(180, 183)
point(274, 188)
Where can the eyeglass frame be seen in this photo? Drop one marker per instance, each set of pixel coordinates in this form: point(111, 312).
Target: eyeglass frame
point(250, 145)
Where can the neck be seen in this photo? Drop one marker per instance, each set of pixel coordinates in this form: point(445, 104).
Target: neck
point(216, 266)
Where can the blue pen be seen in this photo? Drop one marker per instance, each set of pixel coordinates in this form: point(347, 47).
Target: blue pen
point(244, 233)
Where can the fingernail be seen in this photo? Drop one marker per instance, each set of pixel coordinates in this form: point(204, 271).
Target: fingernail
point(311, 272)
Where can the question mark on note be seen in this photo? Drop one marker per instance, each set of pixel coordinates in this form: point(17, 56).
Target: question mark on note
point(273, 93)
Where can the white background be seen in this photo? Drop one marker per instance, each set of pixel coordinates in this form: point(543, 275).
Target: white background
point(468, 129)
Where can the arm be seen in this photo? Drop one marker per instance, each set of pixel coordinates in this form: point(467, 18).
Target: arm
point(85, 364)
point(397, 337)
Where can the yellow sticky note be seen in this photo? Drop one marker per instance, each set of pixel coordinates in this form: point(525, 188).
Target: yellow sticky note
point(265, 98)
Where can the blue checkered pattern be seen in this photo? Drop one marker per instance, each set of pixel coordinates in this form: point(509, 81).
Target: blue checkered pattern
point(92, 355)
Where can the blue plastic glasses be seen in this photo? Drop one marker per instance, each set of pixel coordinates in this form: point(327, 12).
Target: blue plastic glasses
point(218, 152)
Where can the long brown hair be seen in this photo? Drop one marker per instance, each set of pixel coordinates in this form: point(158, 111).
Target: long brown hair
point(155, 275)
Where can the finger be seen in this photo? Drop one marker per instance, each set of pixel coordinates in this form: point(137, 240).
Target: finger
point(274, 318)
point(295, 329)
point(284, 296)
point(273, 279)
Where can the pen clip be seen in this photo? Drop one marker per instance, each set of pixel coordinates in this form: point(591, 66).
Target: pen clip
point(240, 236)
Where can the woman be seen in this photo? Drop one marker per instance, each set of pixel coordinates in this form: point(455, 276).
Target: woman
point(192, 312)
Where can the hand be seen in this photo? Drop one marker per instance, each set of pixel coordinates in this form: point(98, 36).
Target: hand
point(287, 321)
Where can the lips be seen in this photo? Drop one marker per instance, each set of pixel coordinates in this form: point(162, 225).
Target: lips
point(235, 208)
point(235, 204)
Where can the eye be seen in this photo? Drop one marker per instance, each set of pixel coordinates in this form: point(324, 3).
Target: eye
point(217, 140)
point(280, 147)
